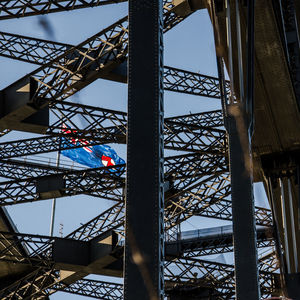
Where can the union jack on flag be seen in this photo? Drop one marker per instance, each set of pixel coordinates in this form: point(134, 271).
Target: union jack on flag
point(91, 156)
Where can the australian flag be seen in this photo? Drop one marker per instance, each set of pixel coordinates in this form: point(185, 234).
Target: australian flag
point(91, 156)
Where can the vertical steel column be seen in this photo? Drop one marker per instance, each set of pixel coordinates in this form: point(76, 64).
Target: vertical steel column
point(143, 270)
point(288, 13)
point(249, 107)
point(237, 122)
point(244, 232)
point(298, 192)
point(293, 228)
point(286, 224)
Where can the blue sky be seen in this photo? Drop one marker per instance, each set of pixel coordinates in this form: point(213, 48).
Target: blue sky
point(188, 46)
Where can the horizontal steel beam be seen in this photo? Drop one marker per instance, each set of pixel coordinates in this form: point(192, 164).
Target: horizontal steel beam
point(209, 241)
point(39, 250)
point(181, 173)
point(18, 9)
point(77, 67)
point(42, 52)
point(177, 136)
point(92, 288)
point(189, 270)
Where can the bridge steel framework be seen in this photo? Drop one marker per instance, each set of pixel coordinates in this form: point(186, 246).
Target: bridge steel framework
point(194, 183)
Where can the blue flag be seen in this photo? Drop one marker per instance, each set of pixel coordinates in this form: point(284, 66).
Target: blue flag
point(92, 156)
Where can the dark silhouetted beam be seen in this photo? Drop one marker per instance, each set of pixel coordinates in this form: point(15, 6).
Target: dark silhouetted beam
point(41, 52)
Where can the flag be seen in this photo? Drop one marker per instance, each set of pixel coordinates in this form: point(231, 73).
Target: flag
point(92, 156)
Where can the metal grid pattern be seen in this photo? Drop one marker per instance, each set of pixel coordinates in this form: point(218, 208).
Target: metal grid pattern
point(42, 52)
point(199, 182)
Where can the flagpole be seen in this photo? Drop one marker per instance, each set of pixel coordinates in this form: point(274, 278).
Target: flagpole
point(54, 200)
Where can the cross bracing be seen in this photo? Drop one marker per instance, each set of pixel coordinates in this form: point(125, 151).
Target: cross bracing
point(220, 278)
point(194, 168)
point(81, 65)
point(177, 168)
point(96, 118)
point(178, 269)
point(191, 194)
point(112, 217)
point(105, 186)
point(115, 122)
point(37, 250)
point(178, 136)
point(18, 169)
point(42, 52)
point(198, 185)
point(112, 291)
point(176, 214)
point(93, 288)
point(17, 9)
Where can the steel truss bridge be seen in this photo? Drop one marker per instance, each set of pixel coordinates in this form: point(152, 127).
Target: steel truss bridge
point(196, 183)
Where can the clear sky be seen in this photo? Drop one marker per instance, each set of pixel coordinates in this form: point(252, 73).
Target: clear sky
point(188, 46)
